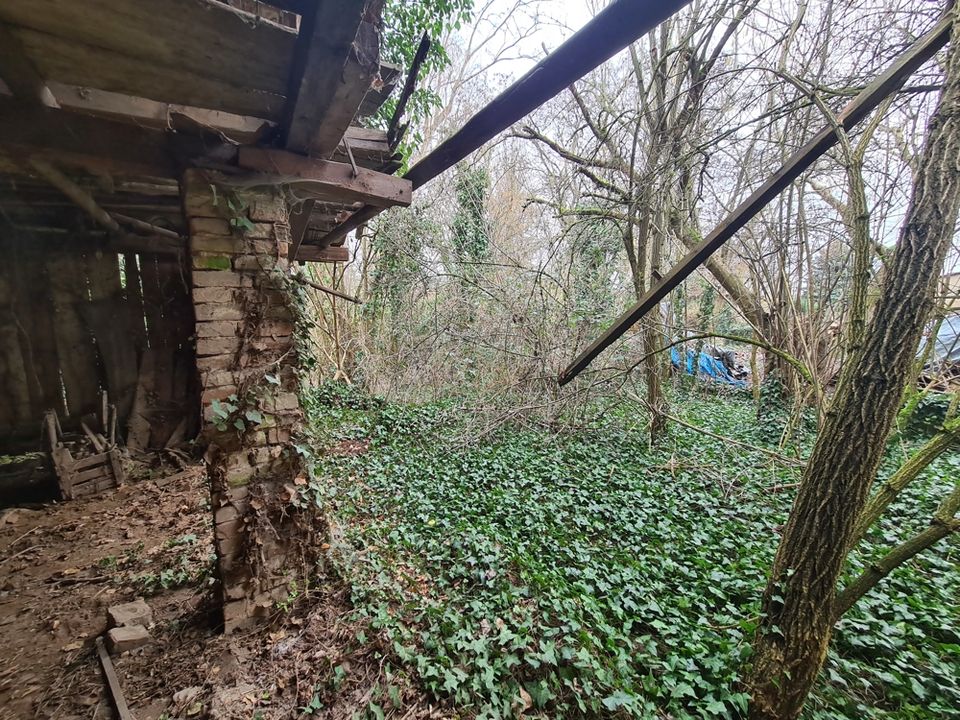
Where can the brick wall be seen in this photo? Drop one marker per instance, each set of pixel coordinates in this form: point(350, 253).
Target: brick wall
point(247, 366)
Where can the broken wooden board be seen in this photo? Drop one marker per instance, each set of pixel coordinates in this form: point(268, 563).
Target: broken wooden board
point(87, 476)
point(113, 682)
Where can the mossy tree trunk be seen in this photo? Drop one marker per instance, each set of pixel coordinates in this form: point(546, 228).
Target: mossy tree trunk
point(800, 600)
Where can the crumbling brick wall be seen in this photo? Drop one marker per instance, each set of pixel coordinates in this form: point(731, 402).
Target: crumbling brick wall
point(248, 373)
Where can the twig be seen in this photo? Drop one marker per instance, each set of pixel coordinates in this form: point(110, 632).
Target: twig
point(782, 458)
point(18, 554)
point(323, 288)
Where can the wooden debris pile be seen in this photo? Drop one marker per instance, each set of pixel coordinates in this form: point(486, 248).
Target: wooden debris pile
point(88, 463)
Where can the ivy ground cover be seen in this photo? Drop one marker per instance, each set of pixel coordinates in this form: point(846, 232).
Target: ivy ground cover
point(588, 575)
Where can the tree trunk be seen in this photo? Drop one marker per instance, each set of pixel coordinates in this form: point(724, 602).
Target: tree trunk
point(800, 599)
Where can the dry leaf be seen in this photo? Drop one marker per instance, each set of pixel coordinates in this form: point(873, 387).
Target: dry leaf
point(525, 700)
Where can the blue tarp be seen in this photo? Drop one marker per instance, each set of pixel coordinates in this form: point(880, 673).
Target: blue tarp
point(710, 367)
point(946, 348)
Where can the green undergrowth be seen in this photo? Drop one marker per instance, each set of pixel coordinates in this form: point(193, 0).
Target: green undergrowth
point(586, 574)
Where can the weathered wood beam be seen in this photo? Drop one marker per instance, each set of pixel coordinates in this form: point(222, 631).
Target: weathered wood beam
point(299, 220)
point(394, 132)
point(326, 179)
point(315, 253)
point(321, 65)
point(855, 111)
point(151, 113)
point(377, 95)
point(369, 147)
point(89, 205)
point(194, 52)
point(18, 72)
point(113, 682)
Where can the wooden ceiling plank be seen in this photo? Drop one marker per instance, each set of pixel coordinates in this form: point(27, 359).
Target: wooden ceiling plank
point(320, 67)
point(198, 36)
point(376, 97)
point(354, 85)
point(295, 6)
point(328, 179)
point(151, 113)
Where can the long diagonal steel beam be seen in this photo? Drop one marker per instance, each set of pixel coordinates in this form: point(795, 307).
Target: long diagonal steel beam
point(858, 108)
point(618, 25)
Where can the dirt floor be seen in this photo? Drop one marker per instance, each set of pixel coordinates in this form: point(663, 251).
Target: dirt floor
point(63, 564)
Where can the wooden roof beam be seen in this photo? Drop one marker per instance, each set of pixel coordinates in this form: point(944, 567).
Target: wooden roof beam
point(335, 58)
point(327, 180)
point(314, 253)
point(161, 115)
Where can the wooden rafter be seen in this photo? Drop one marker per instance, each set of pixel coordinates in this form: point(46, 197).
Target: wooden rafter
point(323, 62)
point(312, 253)
point(325, 179)
point(618, 25)
point(95, 144)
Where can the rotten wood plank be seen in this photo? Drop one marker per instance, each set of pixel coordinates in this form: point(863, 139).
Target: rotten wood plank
point(160, 115)
point(109, 320)
point(77, 354)
point(94, 473)
point(90, 462)
point(33, 313)
point(113, 682)
point(116, 466)
point(195, 39)
point(95, 144)
point(299, 220)
point(94, 439)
